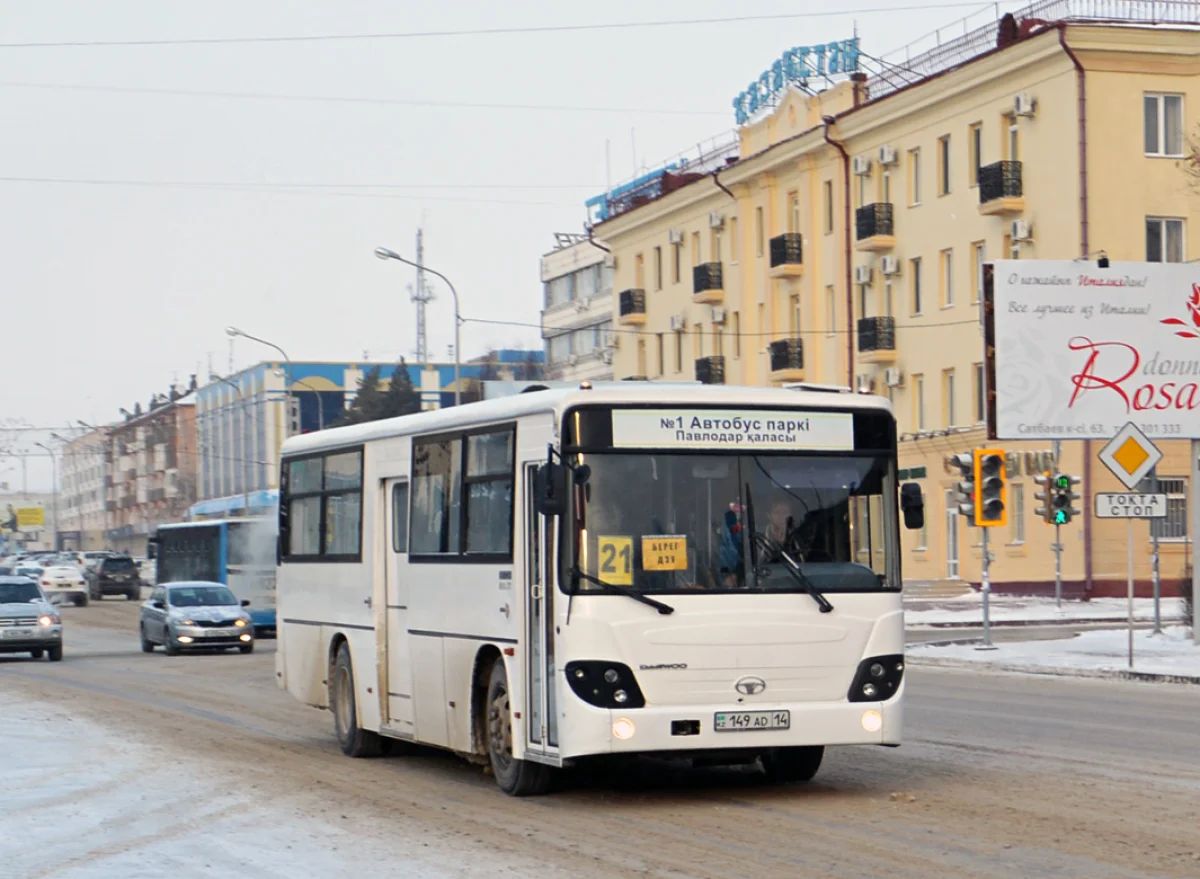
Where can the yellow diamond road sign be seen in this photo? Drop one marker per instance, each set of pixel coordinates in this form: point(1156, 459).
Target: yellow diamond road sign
point(1130, 455)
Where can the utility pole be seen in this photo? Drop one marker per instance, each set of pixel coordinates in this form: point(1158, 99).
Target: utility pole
point(422, 295)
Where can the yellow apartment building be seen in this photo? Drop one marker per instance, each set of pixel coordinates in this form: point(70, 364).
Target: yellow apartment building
point(841, 240)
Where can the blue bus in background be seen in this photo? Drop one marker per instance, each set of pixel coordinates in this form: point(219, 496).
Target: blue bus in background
point(237, 552)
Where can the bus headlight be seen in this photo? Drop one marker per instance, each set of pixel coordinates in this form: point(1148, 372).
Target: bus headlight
point(604, 684)
point(877, 679)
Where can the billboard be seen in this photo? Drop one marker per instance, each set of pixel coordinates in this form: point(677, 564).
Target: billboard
point(23, 518)
point(1078, 350)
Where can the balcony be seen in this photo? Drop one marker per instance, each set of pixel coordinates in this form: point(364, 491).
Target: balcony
point(787, 255)
point(711, 370)
point(708, 284)
point(787, 360)
point(632, 307)
point(877, 340)
point(1000, 189)
point(874, 227)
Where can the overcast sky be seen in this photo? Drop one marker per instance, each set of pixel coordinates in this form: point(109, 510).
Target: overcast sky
point(110, 291)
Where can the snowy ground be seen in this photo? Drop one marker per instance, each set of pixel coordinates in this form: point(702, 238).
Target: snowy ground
point(1171, 653)
point(80, 802)
point(968, 609)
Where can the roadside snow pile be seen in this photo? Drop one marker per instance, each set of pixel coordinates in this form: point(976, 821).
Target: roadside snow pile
point(968, 610)
point(1171, 653)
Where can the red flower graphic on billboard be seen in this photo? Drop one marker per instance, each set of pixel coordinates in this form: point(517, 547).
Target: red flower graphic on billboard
point(1193, 305)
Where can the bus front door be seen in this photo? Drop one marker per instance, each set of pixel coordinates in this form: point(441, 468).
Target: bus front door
point(539, 596)
point(399, 665)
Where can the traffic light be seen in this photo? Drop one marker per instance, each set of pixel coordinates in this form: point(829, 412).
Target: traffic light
point(965, 488)
point(1046, 510)
point(1063, 497)
point(990, 488)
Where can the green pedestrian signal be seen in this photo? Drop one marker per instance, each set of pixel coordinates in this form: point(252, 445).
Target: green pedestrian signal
point(1060, 517)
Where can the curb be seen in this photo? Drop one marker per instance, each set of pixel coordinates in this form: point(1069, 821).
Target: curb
point(1053, 671)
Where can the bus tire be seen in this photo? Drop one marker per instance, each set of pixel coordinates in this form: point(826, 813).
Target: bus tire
point(517, 778)
point(353, 739)
point(790, 765)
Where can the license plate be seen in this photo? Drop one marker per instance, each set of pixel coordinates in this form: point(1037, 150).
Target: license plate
point(221, 633)
point(17, 633)
point(744, 721)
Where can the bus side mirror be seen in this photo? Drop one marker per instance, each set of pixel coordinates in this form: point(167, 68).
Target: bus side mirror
point(550, 489)
point(912, 505)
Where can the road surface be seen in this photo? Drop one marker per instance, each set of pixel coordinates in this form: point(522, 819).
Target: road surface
point(1001, 776)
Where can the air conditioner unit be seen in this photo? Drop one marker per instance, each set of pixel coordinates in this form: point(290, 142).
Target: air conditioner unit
point(864, 384)
point(862, 274)
point(583, 303)
point(893, 377)
point(1024, 105)
point(678, 322)
point(607, 355)
point(890, 265)
point(1022, 230)
point(718, 315)
point(862, 165)
point(610, 260)
point(887, 155)
point(675, 236)
point(716, 220)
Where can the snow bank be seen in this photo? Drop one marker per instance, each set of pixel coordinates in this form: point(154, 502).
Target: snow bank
point(1018, 609)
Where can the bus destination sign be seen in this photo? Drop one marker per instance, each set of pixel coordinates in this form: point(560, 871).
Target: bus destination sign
point(732, 429)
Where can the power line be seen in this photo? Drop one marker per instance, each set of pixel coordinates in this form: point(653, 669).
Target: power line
point(687, 332)
point(496, 31)
point(337, 99)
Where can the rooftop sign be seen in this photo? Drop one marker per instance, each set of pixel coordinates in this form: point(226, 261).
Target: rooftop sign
point(795, 65)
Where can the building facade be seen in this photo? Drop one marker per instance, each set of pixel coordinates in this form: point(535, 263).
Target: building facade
point(577, 312)
point(842, 241)
point(84, 474)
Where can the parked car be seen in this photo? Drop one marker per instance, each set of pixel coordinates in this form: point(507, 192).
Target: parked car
point(181, 616)
point(115, 575)
point(94, 557)
point(64, 583)
point(29, 623)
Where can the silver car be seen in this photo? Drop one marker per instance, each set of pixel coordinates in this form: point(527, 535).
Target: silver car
point(182, 616)
point(29, 623)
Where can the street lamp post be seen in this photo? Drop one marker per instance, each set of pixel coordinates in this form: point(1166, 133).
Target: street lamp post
point(384, 253)
point(54, 470)
point(245, 456)
point(287, 381)
point(320, 403)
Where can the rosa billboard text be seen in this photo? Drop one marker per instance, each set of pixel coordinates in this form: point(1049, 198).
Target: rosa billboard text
point(1081, 350)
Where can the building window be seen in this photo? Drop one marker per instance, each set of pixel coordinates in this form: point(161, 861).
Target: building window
point(639, 272)
point(946, 273)
point(641, 357)
point(827, 206)
point(944, 165)
point(697, 341)
point(975, 145)
point(679, 350)
point(1175, 525)
point(321, 511)
point(830, 311)
point(980, 394)
point(462, 496)
point(737, 334)
point(863, 180)
point(658, 273)
point(887, 299)
point(914, 280)
point(948, 413)
point(758, 231)
point(1012, 144)
point(978, 258)
point(1164, 240)
point(677, 262)
point(659, 340)
point(793, 212)
point(919, 401)
point(1163, 121)
point(914, 177)
point(886, 186)
point(695, 248)
point(1016, 519)
point(796, 316)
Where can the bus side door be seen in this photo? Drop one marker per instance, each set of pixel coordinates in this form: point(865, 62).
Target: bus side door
point(399, 662)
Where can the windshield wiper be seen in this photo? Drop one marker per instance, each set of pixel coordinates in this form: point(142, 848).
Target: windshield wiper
point(793, 568)
point(577, 574)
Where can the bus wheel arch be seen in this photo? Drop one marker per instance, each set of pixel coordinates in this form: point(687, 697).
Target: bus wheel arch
point(481, 676)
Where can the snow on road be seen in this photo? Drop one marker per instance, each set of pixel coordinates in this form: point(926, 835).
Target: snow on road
point(968, 609)
point(1171, 653)
point(79, 802)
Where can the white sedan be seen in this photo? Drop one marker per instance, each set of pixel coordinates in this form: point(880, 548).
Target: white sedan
point(64, 582)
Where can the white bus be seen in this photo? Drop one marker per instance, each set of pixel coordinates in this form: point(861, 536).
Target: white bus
point(631, 568)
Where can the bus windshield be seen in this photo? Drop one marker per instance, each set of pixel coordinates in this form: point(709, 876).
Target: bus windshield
point(681, 522)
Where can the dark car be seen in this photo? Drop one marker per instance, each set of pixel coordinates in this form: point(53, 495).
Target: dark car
point(116, 575)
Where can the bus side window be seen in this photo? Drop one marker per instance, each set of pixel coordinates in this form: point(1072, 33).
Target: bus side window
point(400, 517)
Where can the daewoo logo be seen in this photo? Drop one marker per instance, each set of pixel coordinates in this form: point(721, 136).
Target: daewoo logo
point(663, 666)
point(1193, 306)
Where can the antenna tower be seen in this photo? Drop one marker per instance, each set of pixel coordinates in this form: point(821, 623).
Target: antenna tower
point(421, 295)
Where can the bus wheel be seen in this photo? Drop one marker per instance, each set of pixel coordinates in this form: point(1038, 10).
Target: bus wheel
point(518, 778)
point(784, 765)
point(355, 741)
